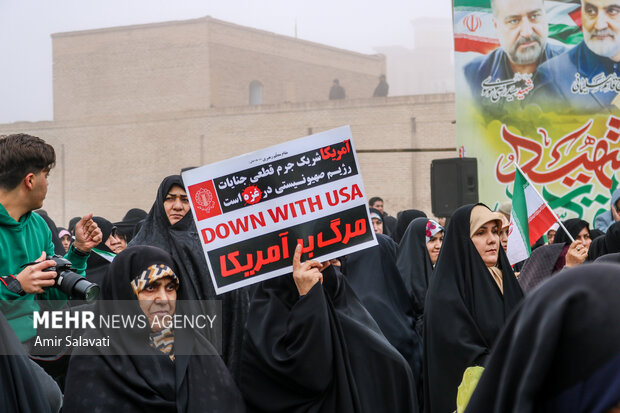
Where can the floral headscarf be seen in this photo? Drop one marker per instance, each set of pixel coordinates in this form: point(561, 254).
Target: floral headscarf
point(432, 228)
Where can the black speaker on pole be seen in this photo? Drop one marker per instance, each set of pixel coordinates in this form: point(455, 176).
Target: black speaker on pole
point(454, 182)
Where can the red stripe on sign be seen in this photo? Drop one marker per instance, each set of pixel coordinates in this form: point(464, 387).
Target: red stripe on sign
point(576, 16)
point(466, 43)
point(540, 222)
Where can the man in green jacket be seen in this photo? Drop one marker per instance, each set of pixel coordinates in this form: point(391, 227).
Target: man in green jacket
point(25, 163)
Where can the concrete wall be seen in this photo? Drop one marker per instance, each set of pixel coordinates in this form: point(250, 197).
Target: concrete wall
point(108, 165)
point(131, 70)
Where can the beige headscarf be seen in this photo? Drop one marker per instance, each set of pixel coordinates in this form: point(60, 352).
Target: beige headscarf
point(480, 215)
point(505, 221)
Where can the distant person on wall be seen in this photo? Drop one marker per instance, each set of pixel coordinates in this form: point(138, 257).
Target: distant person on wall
point(522, 30)
point(336, 91)
point(382, 88)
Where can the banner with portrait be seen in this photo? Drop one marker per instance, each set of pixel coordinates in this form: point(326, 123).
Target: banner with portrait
point(251, 211)
point(537, 85)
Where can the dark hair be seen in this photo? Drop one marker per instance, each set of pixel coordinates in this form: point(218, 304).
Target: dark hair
point(374, 199)
point(123, 235)
point(21, 154)
point(72, 223)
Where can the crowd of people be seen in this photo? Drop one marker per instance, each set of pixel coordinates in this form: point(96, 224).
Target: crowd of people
point(432, 319)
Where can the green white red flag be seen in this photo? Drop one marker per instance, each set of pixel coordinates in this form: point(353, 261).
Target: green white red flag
point(530, 219)
point(474, 30)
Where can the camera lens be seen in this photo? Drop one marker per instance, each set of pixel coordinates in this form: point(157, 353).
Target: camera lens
point(76, 286)
point(86, 289)
point(72, 283)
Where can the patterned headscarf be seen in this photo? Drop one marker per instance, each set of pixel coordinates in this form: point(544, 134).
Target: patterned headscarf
point(161, 340)
point(152, 273)
point(432, 228)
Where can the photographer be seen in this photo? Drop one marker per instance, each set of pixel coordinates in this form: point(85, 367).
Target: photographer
point(25, 163)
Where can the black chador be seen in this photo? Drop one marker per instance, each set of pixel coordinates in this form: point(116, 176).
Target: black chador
point(560, 350)
point(464, 312)
point(134, 373)
point(375, 279)
point(321, 352)
point(181, 241)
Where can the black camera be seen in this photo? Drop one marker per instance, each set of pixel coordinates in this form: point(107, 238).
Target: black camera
point(70, 282)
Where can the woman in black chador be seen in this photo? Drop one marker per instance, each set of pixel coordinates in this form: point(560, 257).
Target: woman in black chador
point(154, 366)
point(170, 226)
point(470, 296)
point(21, 390)
point(549, 259)
point(418, 252)
point(311, 346)
point(375, 279)
point(560, 351)
point(403, 219)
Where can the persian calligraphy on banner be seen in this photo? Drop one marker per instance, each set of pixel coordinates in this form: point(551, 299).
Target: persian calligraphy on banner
point(538, 86)
point(251, 211)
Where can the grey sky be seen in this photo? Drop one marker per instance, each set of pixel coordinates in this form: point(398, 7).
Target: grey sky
point(26, 26)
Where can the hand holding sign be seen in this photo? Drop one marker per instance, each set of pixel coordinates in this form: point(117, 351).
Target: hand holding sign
point(305, 274)
point(252, 210)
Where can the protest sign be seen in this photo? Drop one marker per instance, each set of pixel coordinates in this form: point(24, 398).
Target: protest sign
point(251, 211)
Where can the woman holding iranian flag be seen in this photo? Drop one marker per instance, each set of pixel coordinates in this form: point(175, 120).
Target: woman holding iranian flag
point(568, 249)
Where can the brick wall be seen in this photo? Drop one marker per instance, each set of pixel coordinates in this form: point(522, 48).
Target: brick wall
point(110, 164)
point(131, 70)
point(193, 64)
point(291, 70)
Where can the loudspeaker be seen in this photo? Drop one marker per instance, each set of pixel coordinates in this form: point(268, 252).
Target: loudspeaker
point(454, 182)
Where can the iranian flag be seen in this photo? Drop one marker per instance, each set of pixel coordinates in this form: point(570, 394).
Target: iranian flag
point(530, 218)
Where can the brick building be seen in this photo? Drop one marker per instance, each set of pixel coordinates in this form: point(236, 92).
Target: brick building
point(134, 104)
